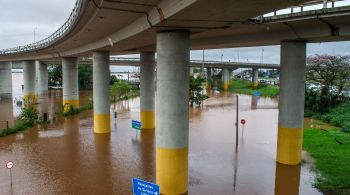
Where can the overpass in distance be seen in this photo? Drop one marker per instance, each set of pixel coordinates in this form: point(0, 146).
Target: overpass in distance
point(118, 61)
point(101, 28)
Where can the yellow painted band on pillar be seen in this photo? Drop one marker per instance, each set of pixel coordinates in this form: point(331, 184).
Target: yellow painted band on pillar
point(255, 84)
point(172, 170)
point(102, 123)
point(208, 86)
point(30, 99)
point(226, 86)
point(74, 103)
point(289, 145)
point(147, 119)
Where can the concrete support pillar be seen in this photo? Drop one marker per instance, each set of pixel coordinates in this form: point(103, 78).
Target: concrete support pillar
point(191, 70)
point(29, 81)
point(255, 77)
point(291, 102)
point(172, 111)
point(225, 79)
point(209, 81)
point(147, 90)
point(101, 77)
point(70, 83)
point(42, 77)
point(5, 80)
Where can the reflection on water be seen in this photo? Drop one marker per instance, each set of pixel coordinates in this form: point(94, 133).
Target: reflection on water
point(287, 179)
point(66, 157)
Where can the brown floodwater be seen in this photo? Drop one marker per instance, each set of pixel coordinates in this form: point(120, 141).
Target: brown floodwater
point(66, 157)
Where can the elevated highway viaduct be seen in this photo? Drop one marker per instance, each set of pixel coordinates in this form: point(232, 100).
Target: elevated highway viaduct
point(100, 28)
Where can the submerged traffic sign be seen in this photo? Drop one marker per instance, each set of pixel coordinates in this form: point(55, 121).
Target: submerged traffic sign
point(136, 124)
point(256, 93)
point(9, 165)
point(141, 187)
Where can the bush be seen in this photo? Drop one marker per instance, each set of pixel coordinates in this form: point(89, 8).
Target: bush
point(28, 115)
point(338, 116)
point(27, 119)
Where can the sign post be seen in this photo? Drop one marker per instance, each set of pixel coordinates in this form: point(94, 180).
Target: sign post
point(243, 123)
point(141, 187)
point(236, 122)
point(9, 166)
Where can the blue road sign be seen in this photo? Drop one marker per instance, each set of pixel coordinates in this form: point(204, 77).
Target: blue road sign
point(136, 124)
point(141, 187)
point(256, 93)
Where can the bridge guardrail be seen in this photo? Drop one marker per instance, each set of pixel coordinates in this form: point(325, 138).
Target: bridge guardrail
point(313, 5)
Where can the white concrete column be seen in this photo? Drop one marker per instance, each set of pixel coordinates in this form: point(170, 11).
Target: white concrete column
point(41, 77)
point(70, 82)
point(225, 79)
point(5, 80)
point(172, 98)
point(255, 77)
point(147, 89)
point(291, 102)
point(191, 70)
point(29, 81)
point(101, 77)
point(209, 81)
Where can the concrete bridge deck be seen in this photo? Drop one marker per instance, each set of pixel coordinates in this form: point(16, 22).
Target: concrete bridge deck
point(93, 26)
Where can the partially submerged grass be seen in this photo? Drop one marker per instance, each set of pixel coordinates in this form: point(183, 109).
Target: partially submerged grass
point(339, 116)
point(245, 87)
point(331, 150)
point(20, 126)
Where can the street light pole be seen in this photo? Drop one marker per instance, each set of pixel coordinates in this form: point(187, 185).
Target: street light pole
point(35, 28)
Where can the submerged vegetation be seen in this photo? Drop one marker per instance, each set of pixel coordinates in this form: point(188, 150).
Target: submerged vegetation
point(331, 149)
point(72, 111)
point(119, 90)
point(245, 87)
point(195, 90)
point(27, 119)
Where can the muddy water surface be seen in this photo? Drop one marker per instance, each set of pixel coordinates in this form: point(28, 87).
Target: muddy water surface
point(66, 157)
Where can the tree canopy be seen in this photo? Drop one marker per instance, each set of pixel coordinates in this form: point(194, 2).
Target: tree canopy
point(330, 76)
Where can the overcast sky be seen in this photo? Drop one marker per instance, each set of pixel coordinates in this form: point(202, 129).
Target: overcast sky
point(19, 20)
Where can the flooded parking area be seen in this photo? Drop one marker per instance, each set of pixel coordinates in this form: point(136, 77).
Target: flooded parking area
point(66, 157)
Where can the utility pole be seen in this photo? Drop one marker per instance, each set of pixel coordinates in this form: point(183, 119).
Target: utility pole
point(35, 28)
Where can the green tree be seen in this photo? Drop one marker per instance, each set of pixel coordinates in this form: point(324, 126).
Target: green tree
point(120, 89)
point(331, 74)
point(195, 90)
point(113, 80)
point(85, 76)
point(55, 75)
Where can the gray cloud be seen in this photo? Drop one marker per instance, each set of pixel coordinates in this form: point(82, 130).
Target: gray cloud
point(19, 18)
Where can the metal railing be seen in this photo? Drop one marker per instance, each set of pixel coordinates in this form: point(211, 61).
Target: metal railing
point(61, 32)
point(313, 5)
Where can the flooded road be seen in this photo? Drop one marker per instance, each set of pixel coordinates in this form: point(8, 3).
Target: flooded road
point(66, 157)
